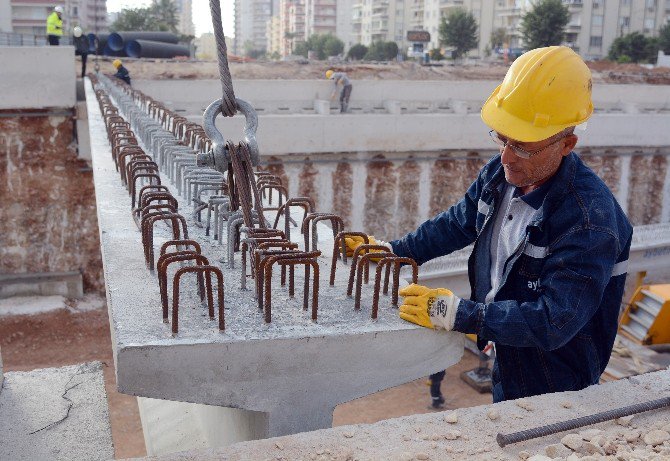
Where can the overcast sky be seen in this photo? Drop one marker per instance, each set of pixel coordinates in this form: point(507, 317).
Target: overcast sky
point(201, 15)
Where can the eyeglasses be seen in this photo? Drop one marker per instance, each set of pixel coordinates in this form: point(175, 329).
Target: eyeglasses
point(502, 143)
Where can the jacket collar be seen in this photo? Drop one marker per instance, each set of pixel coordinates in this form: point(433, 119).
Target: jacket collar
point(547, 196)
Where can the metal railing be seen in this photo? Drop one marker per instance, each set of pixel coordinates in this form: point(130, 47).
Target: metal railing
point(12, 39)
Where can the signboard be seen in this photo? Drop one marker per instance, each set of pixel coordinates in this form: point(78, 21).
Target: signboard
point(418, 36)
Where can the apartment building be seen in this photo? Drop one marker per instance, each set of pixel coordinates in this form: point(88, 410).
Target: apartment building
point(593, 26)
point(28, 17)
point(291, 25)
point(274, 35)
point(384, 20)
point(251, 17)
point(185, 16)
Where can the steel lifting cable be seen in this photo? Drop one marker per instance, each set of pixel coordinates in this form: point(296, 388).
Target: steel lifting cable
point(228, 104)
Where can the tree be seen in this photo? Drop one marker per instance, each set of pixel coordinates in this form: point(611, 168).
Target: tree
point(664, 38)
point(161, 15)
point(357, 52)
point(458, 30)
point(323, 45)
point(381, 51)
point(498, 37)
point(634, 47)
point(251, 52)
point(544, 24)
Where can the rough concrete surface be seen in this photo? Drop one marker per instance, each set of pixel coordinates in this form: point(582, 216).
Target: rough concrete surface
point(36, 77)
point(49, 225)
point(469, 433)
point(55, 414)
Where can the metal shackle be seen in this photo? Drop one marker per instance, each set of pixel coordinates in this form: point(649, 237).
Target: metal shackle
point(219, 157)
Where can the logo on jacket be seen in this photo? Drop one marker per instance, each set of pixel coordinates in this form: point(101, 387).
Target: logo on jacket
point(534, 285)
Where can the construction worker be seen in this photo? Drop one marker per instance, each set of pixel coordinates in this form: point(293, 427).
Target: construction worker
point(80, 43)
point(551, 243)
point(55, 26)
point(340, 78)
point(121, 72)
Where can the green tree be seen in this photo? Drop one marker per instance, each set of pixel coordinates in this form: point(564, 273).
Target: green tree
point(381, 51)
point(664, 38)
point(164, 15)
point(357, 52)
point(634, 47)
point(161, 15)
point(323, 45)
point(458, 30)
point(300, 49)
point(332, 46)
point(498, 37)
point(544, 24)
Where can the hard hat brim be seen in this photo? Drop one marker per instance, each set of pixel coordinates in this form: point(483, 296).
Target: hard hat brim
point(519, 129)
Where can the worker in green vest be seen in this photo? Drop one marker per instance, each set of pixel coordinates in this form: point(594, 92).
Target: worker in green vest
point(55, 26)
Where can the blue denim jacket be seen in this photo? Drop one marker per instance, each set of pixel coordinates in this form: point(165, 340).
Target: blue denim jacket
point(554, 318)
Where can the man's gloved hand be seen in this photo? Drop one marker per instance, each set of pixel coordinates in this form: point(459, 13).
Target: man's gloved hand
point(355, 241)
point(429, 307)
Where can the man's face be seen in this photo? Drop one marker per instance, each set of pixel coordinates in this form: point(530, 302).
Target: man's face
point(545, 159)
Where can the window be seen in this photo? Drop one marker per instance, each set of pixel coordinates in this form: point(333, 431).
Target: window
point(75, 11)
point(624, 21)
point(625, 2)
point(649, 23)
point(597, 20)
point(651, 4)
point(596, 41)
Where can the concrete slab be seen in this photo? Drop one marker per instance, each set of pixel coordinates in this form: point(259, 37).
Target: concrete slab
point(68, 284)
point(466, 433)
point(293, 370)
point(55, 414)
point(37, 77)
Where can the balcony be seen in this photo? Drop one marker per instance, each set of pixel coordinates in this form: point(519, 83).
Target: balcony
point(508, 11)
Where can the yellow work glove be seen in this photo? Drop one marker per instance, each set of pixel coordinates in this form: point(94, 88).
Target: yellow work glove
point(355, 241)
point(429, 307)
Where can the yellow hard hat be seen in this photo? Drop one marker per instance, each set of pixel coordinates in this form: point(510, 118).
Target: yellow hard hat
point(329, 73)
point(544, 91)
point(116, 63)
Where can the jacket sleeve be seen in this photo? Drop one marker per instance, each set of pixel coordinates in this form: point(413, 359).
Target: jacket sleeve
point(573, 281)
point(448, 231)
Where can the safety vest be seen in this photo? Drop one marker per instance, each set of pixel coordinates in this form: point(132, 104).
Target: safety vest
point(54, 25)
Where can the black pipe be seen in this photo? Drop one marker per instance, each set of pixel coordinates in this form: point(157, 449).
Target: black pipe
point(109, 52)
point(118, 40)
point(97, 43)
point(151, 49)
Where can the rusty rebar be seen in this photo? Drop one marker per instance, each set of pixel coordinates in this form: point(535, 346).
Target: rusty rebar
point(359, 277)
point(308, 259)
point(162, 266)
point(387, 262)
point(357, 252)
point(339, 240)
point(207, 270)
point(305, 203)
point(148, 234)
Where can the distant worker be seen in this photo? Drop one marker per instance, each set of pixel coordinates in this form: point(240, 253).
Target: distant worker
point(55, 26)
point(80, 43)
point(551, 243)
point(121, 72)
point(340, 78)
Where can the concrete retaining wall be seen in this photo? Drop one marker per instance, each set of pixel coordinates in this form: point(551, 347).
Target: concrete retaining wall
point(47, 221)
point(390, 194)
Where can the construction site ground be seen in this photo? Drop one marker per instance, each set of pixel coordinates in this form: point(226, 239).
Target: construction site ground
point(603, 71)
point(74, 335)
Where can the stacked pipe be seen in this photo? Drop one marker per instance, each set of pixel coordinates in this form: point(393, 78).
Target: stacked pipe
point(137, 44)
point(151, 201)
point(236, 195)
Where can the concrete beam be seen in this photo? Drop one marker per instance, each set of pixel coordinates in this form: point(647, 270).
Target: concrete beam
point(467, 433)
point(55, 413)
point(68, 284)
point(37, 77)
point(293, 371)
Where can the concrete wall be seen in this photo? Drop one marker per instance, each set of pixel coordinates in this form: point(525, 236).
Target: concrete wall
point(389, 194)
point(47, 220)
point(37, 77)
